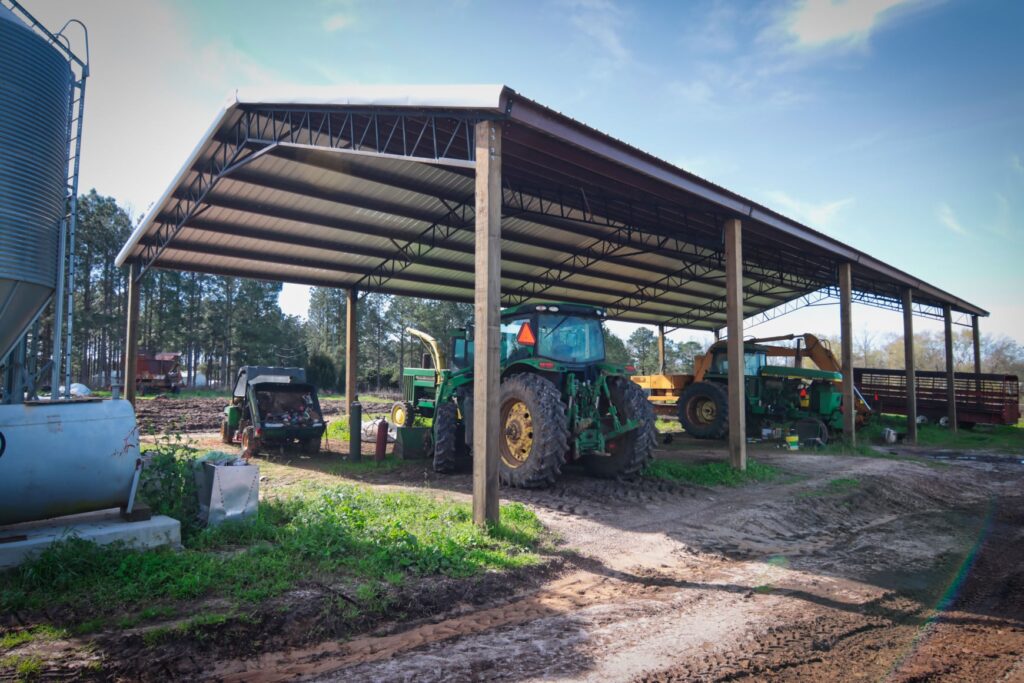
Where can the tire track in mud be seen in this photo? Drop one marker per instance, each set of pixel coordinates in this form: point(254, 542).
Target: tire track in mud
point(574, 592)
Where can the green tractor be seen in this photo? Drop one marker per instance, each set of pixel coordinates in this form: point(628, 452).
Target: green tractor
point(775, 394)
point(560, 401)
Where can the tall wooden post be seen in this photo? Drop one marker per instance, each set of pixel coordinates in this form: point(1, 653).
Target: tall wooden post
point(734, 335)
point(131, 334)
point(351, 348)
point(976, 338)
point(908, 364)
point(661, 349)
point(487, 303)
point(947, 316)
point(846, 343)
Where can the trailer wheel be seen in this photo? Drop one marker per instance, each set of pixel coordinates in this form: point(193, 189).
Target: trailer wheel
point(534, 434)
point(311, 446)
point(629, 452)
point(227, 434)
point(402, 414)
point(704, 410)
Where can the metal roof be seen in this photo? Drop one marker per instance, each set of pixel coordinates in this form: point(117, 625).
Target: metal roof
point(372, 187)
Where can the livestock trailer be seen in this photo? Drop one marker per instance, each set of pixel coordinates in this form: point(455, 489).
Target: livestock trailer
point(984, 398)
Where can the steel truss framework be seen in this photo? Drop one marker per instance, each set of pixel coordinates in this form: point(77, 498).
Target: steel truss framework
point(829, 296)
point(619, 228)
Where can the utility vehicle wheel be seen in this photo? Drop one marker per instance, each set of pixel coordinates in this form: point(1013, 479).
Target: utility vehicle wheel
point(630, 452)
point(534, 432)
point(311, 445)
point(402, 414)
point(250, 443)
point(704, 410)
point(227, 434)
point(447, 438)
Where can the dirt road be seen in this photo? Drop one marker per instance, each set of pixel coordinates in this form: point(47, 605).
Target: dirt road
point(848, 568)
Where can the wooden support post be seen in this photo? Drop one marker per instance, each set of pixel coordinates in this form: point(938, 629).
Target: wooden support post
point(846, 343)
point(976, 340)
point(947, 316)
point(351, 348)
point(734, 335)
point(487, 309)
point(661, 349)
point(131, 334)
point(908, 363)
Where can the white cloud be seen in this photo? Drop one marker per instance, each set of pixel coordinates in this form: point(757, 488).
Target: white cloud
point(1016, 164)
point(944, 212)
point(600, 21)
point(821, 215)
point(816, 23)
point(336, 22)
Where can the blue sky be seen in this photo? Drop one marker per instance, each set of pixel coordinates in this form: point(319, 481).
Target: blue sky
point(895, 126)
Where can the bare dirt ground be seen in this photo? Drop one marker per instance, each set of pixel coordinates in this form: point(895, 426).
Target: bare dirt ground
point(190, 415)
point(845, 568)
point(849, 568)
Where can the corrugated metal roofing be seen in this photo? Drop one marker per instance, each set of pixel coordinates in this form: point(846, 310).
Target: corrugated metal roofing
point(373, 187)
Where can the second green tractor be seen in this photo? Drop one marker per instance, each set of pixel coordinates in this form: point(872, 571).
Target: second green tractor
point(560, 402)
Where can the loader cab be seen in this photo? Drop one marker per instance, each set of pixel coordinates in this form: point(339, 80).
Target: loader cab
point(754, 359)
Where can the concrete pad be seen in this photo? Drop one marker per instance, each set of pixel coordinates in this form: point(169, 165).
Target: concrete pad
point(102, 527)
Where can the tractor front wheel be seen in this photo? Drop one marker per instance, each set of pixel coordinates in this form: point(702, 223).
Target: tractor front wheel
point(704, 410)
point(630, 452)
point(533, 432)
point(227, 434)
point(446, 438)
point(402, 414)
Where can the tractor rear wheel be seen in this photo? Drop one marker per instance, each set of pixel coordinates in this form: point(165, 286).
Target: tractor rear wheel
point(446, 438)
point(227, 434)
point(402, 414)
point(629, 453)
point(534, 433)
point(704, 410)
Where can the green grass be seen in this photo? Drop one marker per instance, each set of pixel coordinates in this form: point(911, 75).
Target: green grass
point(710, 473)
point(337, 429)
point(664, 424)
point(185, 393)
point(1001, 438)
point(27, 668)
point(13, 639)
point(340, 531)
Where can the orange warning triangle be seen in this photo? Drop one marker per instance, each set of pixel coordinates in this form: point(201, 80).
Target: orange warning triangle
point(525, 336)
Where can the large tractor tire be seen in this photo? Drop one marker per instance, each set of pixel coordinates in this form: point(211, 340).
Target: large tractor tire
point(227, 433)
point(447, 439)
point(533, 432)
point(402, 414)
point(629, 453)
point(704, 410)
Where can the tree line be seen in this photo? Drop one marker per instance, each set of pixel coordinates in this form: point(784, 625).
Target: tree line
point(221, 323)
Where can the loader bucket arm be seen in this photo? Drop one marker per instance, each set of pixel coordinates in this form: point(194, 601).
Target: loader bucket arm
point(436, 353)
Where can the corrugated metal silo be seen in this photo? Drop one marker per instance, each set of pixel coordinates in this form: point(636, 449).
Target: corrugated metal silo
point(35, 84)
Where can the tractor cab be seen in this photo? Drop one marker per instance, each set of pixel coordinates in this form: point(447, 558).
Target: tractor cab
point(545, 336)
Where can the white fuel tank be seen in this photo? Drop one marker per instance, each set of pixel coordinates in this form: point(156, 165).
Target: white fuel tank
point(65, 457)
